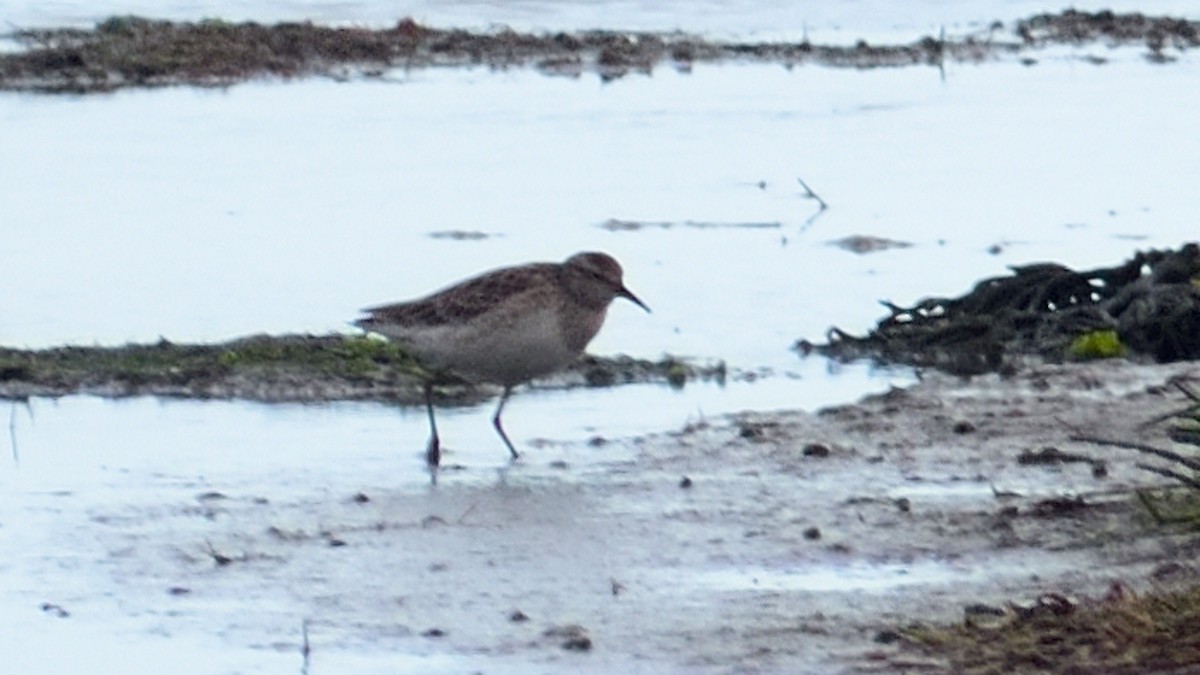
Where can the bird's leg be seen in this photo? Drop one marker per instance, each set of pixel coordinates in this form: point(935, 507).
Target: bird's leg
point(496, 422)
point(433, 452)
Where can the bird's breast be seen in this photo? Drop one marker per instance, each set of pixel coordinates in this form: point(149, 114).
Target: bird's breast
point(509, 345)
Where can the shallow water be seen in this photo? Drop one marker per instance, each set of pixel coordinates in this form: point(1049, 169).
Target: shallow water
point(200, 215)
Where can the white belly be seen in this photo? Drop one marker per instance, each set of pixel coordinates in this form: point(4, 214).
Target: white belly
point(503, 347)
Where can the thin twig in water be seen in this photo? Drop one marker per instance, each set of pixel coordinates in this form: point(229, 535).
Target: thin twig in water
point(466, 513)
point(219, 558)
point(809, 194)
point(1190, 463)
point(812, 195)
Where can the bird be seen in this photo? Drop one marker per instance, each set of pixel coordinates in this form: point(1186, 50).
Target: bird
point(503, 327)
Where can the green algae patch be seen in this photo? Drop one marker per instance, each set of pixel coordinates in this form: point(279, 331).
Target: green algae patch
point(1098, 344)
point(351, 356)
point(306, 368)
point(291, 367)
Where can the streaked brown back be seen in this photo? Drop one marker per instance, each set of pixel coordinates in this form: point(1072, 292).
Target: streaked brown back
point(462, 301)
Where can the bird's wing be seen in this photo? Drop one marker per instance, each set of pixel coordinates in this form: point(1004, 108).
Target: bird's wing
point(462, 301)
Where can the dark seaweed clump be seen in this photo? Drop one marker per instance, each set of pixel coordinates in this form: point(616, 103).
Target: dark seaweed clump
point(1150, 305)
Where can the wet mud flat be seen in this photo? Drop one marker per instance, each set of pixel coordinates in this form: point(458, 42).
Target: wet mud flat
point(130, 51)
point(833, 541)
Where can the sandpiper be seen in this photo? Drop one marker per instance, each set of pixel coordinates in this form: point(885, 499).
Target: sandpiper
point(504, 327)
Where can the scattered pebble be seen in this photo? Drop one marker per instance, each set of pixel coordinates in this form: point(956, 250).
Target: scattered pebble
point(55, 610)
point(1057, 506)
point(963, 427)
point(685, 482)
point(888, 636)
point(980, 609)
point(812, 533)
point(432, 521)
point(178, 590)
point(1055, 604)
point(980, 615)
point(581, 643)
point(750, 431)
point(434, 633)
point(360, 498)
point(518, 616)
point(574, 637)
point(1047, 455)
point(1171, 571)
point(816, 450)
point(904, 504)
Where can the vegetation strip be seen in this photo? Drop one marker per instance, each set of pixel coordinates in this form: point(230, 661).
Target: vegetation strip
point(284, 368)
point(130, 51)
point(1123, 633)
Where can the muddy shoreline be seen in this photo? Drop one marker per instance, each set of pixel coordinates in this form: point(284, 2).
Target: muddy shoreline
point(919, 529)
point(840, 540)
point(130, 51)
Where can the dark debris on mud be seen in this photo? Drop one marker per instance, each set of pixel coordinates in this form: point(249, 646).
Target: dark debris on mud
point(130, 51)
point(1147, 307)
point(303, 368)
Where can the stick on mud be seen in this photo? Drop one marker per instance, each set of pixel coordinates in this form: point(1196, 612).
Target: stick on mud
point(1141, 447)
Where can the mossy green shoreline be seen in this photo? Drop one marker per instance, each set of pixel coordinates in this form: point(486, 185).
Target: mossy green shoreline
point(283, 368)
